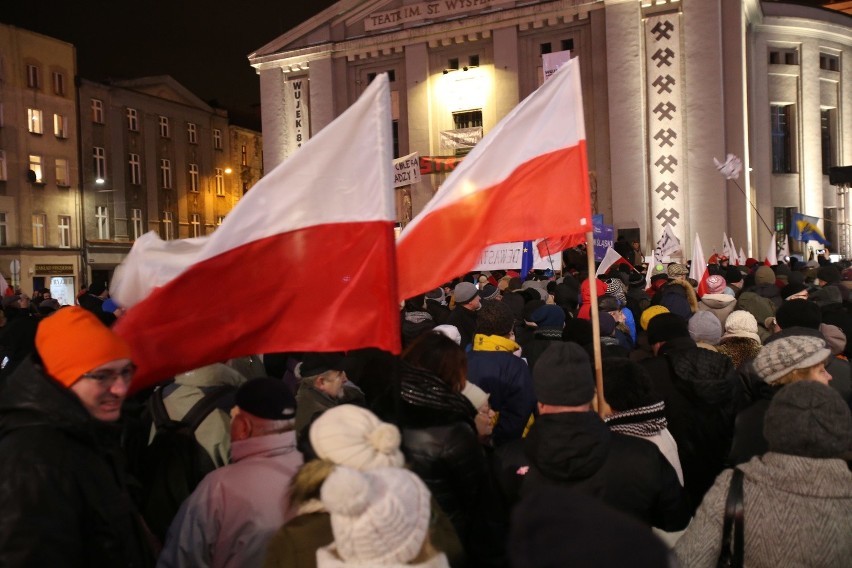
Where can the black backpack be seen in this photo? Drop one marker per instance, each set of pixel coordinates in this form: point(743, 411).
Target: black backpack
point(174, 463)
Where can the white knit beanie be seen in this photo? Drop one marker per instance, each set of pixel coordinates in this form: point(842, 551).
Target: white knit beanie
point(475, 395)
point(741, 323)
point(353, 436)
point(377, 517)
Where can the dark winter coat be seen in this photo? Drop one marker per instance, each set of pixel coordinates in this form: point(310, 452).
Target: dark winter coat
point(703, 393)
point(542, 337)
point(507, 379)
point(62, 488)
point(441, 445)
point(577, 450)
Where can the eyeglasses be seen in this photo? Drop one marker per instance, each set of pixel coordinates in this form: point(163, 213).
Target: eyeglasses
point(109, 377)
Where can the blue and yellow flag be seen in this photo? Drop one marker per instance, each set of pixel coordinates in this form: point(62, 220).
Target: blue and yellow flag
point(527, 259)
point(805, 229)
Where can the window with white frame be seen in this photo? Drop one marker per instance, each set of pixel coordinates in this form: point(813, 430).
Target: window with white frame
point(60, 126)
point(164, 127)
point(102, 219)
point(63, 174)
point(33, 77)
point(192, 132)
point(59, 83)
point(37, 167)
point(35, 121)
point(64, 231)
point(166, 174)
point(97, 111)
point(39, 222)
point(219, 176)
point(99, 162)
point(193, 177)
point(135, 169)
point(2, 165)
point(132, 120)
point(168, 226)
point(195, 225)
point(4, 241)
point(217, 139)
point(136, 221)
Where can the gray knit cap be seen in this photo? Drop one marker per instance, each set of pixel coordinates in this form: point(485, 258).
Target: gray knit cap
point(808, 419)
point(706, 327)
point(787, 354)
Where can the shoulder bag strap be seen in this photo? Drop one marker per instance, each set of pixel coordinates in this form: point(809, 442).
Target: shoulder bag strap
point(199, 411)
point(733, 519)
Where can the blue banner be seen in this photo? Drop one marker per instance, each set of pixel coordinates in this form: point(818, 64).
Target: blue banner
point(604, 236)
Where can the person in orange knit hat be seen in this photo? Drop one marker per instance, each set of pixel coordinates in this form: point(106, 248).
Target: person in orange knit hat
point(63, 488)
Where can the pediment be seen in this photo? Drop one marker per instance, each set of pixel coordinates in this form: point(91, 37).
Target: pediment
point(164, 87)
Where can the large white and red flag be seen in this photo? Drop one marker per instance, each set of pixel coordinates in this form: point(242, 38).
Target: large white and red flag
point(304, 262)
point(526, 179)
point(698, 267)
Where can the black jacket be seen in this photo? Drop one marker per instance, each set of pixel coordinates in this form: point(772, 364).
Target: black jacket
point(465, 321)
point(703, 394)
point(441, 446)
point(62, 490)
point(577, 450)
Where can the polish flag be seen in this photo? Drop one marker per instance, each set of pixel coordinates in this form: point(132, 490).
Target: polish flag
point(771, 258)
point(698, 267)
point(611, 257)
point(304, 262)
point(527, 179)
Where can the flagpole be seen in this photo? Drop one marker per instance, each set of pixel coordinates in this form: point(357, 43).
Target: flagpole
point(596, 324)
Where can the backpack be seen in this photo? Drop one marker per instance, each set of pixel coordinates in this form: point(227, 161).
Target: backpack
point(174, 463)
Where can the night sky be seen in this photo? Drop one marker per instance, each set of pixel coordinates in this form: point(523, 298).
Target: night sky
point(203, 44)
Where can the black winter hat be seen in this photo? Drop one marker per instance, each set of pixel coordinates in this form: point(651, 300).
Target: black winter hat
point(494, 318)
point(733, 274)
point(627, 384)
point(799, 313)
point(563, 375)
point(666, 326)
point(808, 419)
point(829, 273)
point(267, 398)
point(318, 363)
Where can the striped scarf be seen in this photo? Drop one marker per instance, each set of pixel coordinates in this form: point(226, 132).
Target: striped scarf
point(645, 421)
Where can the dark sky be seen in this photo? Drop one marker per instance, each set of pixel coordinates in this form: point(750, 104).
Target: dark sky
point(203, 44)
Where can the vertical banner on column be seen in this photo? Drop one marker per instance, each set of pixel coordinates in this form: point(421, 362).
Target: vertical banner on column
point(297, 128)
point(664, 86)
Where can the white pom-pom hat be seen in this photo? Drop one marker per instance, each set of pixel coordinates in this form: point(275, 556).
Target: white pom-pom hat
point(353, 436)
point(378, 517)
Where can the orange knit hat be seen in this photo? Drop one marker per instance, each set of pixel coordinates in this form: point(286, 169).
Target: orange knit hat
point(73, 341)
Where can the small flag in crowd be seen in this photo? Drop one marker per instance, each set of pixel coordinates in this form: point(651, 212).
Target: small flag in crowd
point(527, 259)
point(771, 258)
point(698, 268)
point(610, 258)
point(301, 256)
point(527, 178)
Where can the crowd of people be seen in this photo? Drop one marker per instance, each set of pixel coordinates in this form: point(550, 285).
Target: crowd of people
point(482, 444)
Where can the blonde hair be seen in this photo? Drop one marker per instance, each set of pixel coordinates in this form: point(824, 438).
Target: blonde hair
point(797, 375)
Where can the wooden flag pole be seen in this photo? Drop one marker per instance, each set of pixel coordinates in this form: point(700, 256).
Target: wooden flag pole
point(596, 324)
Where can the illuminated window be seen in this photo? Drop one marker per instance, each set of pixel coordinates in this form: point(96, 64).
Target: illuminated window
point(168, 226)
point(195, 225)
point(60, 126)
point(219, 176)
point(37, 169)
point(2, 165)
point(35, 122)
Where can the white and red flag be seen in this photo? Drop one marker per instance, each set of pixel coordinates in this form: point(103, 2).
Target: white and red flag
point(698, 267)
point(611, 257)
point(771, 258)
point(526, 179)
point(304, 262)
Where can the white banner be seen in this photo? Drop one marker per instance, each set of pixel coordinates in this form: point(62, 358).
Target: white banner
point(550, 62)
point(460, 138)
point(297, 121)
point(406, 170)
point(507, 256)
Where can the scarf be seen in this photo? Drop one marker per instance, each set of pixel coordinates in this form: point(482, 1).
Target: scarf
point(645, 421)
point(417, 317)
point(419, 387)
point(494, 343)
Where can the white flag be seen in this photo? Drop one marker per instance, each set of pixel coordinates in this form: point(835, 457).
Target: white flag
point(785, 249)
point(699, 264)
point(771, 254)
point(742, 258)
point(668, 243)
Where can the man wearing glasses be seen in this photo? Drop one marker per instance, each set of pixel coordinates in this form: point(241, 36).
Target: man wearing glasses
point(63, 494)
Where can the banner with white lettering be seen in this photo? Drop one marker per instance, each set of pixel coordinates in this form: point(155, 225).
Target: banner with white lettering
point(431, 10)
point(460, 138)
point(296, 120)
point(507, 256)
point(406, 170)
